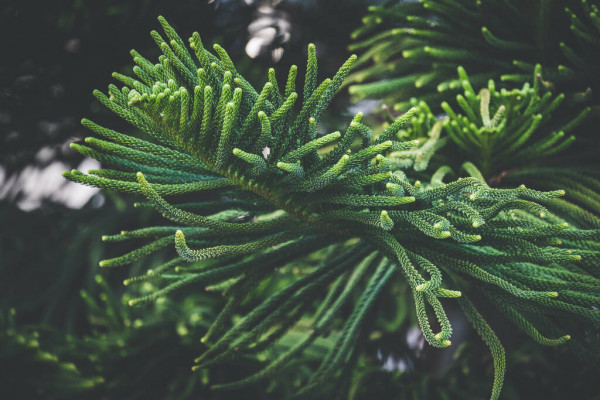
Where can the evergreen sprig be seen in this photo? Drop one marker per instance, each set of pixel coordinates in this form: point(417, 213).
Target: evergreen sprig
point(281, 197)
point(511, 138)
point(502, 128)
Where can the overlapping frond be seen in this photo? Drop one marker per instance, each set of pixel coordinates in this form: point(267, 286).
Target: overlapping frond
point(411, 49)
point(282, 196)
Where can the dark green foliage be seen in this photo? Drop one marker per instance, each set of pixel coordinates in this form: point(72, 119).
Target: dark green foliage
point(262, 192)
point(23, 355)
point(125, 350)
point(413, 48)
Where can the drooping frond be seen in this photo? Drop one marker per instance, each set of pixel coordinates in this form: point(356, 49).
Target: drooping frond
point(282, 196)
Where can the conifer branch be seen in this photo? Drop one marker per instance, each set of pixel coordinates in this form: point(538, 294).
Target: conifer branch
point(352, 204)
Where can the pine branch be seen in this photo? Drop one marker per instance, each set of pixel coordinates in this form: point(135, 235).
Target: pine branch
point(351, 204)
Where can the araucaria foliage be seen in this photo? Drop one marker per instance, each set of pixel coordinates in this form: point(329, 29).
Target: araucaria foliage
point(511, 137)
point(413, 48)
point(269, 190)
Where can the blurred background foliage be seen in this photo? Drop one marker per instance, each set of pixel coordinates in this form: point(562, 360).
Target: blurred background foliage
point(65, 329)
